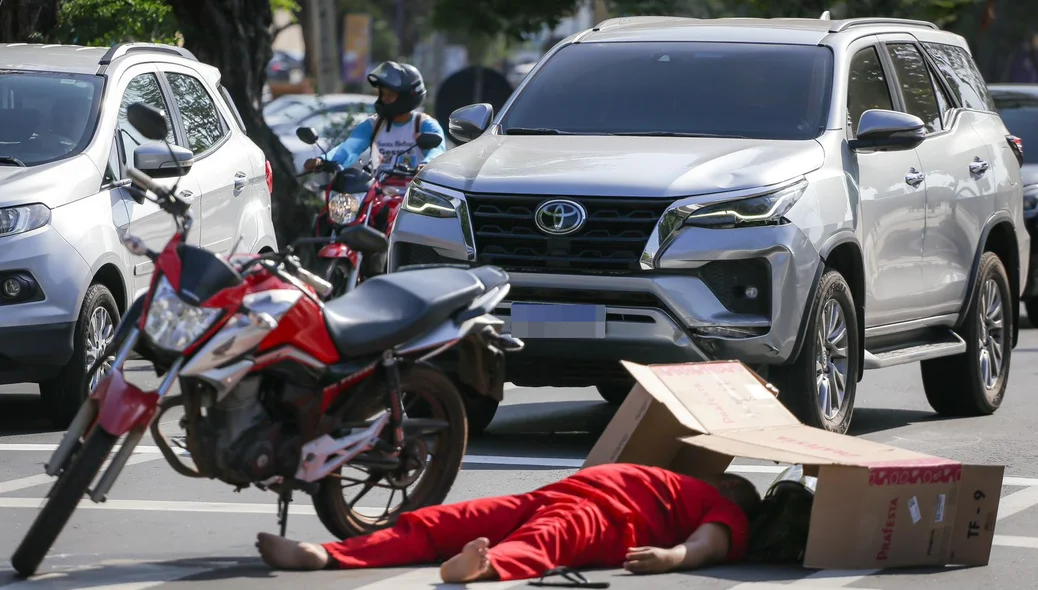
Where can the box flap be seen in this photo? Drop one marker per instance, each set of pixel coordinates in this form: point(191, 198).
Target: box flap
point(975, 514)
point(811, 446)
point(713, 397)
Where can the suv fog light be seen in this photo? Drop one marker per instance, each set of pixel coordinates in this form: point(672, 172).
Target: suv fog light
point(11, 288)
point(751, 292)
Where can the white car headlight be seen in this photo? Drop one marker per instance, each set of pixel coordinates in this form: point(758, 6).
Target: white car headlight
point(343, 207)
point(425, 202)
point(758, 210)
point(172, 323)
point(16, 220)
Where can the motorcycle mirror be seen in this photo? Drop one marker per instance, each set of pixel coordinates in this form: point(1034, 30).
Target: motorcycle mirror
point(150, 121)
point(428, 141)
point(307, 135)
point(363, 238)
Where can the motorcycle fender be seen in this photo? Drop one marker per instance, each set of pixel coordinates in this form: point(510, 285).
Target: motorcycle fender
point(335, 251)
point(481, 368)
point(122, 405)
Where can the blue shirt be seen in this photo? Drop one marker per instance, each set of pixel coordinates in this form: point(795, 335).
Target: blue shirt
point(394, 138)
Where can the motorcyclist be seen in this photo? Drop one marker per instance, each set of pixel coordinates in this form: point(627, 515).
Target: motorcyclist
point(393, 130)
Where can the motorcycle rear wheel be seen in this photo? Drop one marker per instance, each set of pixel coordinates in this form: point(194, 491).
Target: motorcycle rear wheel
point(444, 402)
point(70, 488)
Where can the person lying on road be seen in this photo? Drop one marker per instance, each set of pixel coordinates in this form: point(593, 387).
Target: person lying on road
point(645, 519)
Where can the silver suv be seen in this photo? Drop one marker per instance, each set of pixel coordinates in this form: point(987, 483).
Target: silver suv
point(65, 145)
point(811, 197)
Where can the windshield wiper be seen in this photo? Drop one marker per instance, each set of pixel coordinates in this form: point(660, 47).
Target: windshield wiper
point(9, 161)
point(676, 134)
point(535, 131)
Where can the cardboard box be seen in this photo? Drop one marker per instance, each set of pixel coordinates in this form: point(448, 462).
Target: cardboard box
point(876, 506)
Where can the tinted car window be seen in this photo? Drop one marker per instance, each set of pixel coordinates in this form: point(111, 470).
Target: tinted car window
point(962, 75)
point(916, 86)
point(201, 120)
point(1019, 112)
point(143, 89)
point(867, 87)
point(46, 117)
point(729, 89)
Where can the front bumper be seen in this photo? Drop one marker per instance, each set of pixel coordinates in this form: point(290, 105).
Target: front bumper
point(687, 308)
point(36, 334)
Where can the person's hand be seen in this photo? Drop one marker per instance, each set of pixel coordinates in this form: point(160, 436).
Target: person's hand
point(311, 163)
point(650, 560)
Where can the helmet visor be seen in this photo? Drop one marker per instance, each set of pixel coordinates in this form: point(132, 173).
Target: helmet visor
point(388, 76)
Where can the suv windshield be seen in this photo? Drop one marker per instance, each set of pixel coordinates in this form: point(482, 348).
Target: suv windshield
point(46, 116)
point(761, 91)
point(1019, 112)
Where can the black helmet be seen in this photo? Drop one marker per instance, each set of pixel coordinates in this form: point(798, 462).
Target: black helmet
point(405, 80)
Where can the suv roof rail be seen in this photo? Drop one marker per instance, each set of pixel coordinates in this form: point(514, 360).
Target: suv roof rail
point(630, 20)
point(843, 25)
point(117, 51)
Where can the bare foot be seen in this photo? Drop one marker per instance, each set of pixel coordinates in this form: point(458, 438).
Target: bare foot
point(281, 553)
point(471, 565)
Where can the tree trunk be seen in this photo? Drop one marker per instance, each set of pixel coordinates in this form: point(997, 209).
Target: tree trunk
point(234, 36)
point(24, 21)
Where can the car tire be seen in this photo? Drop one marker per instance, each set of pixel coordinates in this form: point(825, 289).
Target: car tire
point(479, 409)
point(1031, 305)
point(614, 393)
point(964, 385)
point(95, 328)
point(828, 359)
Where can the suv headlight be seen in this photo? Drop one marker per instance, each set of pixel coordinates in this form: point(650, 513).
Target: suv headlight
point(425, 202)
point(16, 220)
point(172, 323)
point(343, 207)
point(764, 209)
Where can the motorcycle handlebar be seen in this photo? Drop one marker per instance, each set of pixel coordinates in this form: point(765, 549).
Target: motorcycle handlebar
point(146, 181)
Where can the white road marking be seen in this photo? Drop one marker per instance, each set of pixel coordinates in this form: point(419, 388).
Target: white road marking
point(429, 577)
point(44, 479)
point(785, 586)
point(1017, 502)
point(108, 577)
point(1012, 541)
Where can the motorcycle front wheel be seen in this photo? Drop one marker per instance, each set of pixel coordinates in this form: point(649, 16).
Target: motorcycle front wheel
point(70, 488)
point(441, 457)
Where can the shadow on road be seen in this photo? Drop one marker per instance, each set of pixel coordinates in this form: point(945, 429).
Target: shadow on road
point(23, 414)
point(873, 420)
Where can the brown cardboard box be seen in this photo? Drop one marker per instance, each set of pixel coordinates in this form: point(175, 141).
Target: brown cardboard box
point(876, 506)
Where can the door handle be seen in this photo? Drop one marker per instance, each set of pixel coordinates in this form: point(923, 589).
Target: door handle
point(914, 177)
point(239, 182)
point(978, 167)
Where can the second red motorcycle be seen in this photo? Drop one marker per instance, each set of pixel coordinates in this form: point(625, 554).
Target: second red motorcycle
point(356, 196)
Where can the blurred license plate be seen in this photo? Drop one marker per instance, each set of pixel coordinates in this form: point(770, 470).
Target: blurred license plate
point(543, 320)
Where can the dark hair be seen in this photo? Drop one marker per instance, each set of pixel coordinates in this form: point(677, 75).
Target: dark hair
point(740, 490)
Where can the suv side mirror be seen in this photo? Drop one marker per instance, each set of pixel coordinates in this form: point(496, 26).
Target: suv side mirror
point(468, 123)
point(155, 160)
point(883, 129)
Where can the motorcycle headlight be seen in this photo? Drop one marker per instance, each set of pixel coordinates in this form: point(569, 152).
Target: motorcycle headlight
point(172, 323)
point(343, 207)
point(425, 202)
point(16, 220)
point(767, 209)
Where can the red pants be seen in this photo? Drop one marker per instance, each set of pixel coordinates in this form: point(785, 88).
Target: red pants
point(529, 534)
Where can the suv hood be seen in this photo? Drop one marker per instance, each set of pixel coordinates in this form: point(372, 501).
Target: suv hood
point(54, 184)
point(612, 166)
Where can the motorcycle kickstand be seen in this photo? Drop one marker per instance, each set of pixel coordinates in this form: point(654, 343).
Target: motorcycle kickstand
point(284, 499)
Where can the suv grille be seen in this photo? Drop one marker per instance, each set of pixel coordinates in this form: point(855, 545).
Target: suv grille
point(611, 241)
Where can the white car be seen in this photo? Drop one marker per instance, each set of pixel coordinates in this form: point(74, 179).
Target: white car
point(285, 121)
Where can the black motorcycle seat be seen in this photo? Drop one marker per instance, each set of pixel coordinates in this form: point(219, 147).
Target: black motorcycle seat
point(390, 309)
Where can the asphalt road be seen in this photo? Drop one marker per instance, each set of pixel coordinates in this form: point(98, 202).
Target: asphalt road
point(163, 531)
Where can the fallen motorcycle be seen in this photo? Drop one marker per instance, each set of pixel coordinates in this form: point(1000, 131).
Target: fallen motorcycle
point(280, 389)
point(358, 196)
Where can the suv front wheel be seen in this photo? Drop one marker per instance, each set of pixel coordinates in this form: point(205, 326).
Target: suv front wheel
point(95, 329)
point(973, 383)
point(819, 386)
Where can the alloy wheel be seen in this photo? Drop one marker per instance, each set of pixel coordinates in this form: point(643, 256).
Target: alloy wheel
point(991, 335)
point(831, 361)
point(99, 335)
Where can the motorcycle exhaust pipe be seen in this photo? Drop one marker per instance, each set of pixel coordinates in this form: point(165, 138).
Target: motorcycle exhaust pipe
point(86, 415)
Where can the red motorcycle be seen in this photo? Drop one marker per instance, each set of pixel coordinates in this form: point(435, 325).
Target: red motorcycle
point(280, 389)
point(358, 197)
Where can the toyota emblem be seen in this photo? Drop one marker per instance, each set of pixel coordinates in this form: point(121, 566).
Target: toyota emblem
point(560, 217)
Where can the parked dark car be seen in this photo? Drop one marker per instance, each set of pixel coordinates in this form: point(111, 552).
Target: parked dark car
point(1018, 106)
